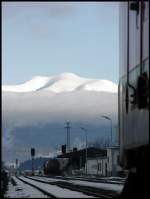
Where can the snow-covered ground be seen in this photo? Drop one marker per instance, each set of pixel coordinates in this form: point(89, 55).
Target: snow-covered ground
point(108, 179)
point(57, 191)
point(22, 190)
point(107, 186)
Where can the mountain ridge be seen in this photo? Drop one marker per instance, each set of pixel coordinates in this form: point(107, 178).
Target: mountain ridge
point(64, 82)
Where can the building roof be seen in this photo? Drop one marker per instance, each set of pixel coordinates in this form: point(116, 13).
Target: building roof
point(114, 147)
point(98, 158)
point(91, 152)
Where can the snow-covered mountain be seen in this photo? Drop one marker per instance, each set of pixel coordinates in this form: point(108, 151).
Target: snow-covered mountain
point(64, 82)
point(34, 113)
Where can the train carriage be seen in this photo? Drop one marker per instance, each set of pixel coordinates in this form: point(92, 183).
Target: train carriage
point(133, 88)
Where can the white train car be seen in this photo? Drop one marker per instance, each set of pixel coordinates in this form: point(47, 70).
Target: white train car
point(133, 88)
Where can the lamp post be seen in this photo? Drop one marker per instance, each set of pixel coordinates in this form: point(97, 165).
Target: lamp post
point(108, 118)
point(67, 126)
point(83, 129)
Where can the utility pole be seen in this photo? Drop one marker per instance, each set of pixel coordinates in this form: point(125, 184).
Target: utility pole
point(85, 148)
point(67, 126)
point(108, 118)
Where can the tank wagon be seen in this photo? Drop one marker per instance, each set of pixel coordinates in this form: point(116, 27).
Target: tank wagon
point(55, 166)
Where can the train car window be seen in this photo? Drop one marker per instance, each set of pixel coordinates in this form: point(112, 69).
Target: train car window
point(146, 66)
point(142, 88)
point(134, 6)
point(145, 10)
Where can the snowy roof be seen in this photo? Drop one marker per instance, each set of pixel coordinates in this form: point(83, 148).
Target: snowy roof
point(92, 152)
point(113, 147)
point(98, 158)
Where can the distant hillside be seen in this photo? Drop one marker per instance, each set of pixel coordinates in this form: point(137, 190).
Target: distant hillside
point(38, 164)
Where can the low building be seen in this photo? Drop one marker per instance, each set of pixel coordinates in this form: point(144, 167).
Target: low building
point(77, 158)
point(97, 166)
point(113, 161)
point(102, 162)
point(107, 165)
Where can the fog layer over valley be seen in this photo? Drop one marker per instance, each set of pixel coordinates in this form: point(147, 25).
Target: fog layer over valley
point(34, 113)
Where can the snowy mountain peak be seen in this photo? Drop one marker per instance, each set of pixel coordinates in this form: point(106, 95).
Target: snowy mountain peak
point(68, 75)
point(64, 82)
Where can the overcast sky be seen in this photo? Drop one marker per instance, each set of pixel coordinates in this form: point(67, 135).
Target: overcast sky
point(48, 38)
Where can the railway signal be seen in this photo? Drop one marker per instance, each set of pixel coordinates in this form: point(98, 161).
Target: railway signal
point(32, 155)
point(16, 165)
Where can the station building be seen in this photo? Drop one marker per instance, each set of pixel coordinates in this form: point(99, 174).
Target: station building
point(101, 162)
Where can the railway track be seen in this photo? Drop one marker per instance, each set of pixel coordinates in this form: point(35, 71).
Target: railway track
point(107, 181)
point(57, 191)
point(88, 190)
point(37, 188)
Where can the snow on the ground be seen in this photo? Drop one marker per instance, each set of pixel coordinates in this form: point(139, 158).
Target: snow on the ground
point(45, 179)
point(113, 178)
point(108, 179)
point(57, 191)
point(107, 186)
point(22, 190)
